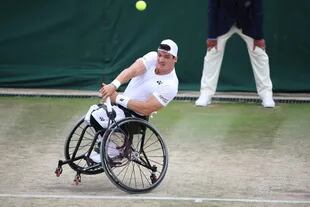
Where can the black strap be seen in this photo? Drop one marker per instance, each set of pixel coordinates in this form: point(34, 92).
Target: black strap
point(130, 113)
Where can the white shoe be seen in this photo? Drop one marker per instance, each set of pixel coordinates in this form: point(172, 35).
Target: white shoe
point(268, 102)
point(203, 100)
point(95, 156)
point(112, 150)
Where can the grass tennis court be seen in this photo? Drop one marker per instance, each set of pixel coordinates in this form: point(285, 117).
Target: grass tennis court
point(229, 154)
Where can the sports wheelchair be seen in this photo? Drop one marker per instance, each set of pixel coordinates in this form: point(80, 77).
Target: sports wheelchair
point(132, 152)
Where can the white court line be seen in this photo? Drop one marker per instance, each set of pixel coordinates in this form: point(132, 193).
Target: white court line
point(239, 200)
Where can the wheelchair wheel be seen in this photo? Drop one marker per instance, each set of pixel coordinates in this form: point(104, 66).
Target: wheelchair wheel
point(78, 144)
point(134, 155)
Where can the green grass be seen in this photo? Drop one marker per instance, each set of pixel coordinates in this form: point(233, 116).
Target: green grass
point(234, 122)
point(229, 150)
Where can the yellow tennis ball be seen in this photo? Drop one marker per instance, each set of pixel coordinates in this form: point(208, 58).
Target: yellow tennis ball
point(141, 5)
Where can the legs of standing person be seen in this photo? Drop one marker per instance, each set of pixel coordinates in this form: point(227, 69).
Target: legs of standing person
point(211, 69)
point(260, 65)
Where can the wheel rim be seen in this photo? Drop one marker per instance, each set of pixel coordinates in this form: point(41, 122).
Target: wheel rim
point(136, 167)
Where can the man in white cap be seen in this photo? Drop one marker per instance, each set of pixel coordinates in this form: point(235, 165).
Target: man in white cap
point(153, 84)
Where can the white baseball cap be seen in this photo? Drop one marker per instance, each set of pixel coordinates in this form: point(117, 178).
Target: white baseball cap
point(169, 46)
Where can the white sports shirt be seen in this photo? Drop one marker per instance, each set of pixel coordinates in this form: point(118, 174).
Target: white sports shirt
point(163, 87)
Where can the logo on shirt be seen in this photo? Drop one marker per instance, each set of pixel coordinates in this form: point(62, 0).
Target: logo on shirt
point(163, 99)
point(159, 82)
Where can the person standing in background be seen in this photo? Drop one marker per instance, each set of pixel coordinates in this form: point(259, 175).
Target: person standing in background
point(245, 18)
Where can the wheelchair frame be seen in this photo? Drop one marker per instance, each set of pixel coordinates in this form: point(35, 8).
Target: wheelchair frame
point(140, 158)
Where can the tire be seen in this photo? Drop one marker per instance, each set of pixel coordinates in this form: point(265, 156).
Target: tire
point(134, 155)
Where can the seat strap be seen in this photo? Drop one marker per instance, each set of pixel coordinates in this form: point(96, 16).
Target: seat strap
point(131, 113)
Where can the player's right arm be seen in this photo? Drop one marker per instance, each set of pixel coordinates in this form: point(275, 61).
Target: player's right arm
point(137, 68)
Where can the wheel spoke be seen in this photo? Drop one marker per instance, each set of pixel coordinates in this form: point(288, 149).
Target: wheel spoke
point(79, 141)
point(141, 166)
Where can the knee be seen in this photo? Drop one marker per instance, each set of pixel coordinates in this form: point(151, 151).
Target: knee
point(93, 107)
point(89, 112)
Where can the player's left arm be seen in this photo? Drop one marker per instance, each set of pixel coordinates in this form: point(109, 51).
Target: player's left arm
point(145, 108)
point(155, 102)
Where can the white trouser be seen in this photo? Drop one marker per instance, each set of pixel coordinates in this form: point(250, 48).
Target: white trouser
point(213, 61)
point(100, 115)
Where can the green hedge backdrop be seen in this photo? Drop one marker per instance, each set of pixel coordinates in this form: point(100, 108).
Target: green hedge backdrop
point(77, 44)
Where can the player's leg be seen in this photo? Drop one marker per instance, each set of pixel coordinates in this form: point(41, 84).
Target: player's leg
point(98, 118)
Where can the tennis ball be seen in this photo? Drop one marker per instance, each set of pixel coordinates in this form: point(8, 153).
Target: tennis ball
point(141, 5)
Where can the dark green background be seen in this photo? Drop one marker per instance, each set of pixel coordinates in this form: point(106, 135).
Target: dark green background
point(76, 44)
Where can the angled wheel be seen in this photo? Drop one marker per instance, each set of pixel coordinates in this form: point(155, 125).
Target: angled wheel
point(78, 145)
point(134, 155)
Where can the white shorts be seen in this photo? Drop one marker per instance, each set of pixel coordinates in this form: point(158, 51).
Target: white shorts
point(100, 115)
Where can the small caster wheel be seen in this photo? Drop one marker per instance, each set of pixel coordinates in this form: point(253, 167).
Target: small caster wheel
point(77, 179)
point(153, 178)
point(58, 171)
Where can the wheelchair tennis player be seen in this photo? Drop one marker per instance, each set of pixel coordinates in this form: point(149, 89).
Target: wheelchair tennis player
point(118, 139)
point(153, 84)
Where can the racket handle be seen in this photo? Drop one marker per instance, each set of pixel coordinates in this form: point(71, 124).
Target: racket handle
point(109, 106)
